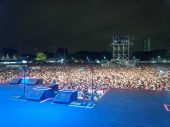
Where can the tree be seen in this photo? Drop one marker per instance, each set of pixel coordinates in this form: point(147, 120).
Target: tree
point(62, 53)
point(40, 56)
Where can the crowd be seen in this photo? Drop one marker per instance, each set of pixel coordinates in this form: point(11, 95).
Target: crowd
point(88, 79)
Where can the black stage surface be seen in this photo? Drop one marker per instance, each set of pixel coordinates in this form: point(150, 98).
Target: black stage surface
point(117, 108)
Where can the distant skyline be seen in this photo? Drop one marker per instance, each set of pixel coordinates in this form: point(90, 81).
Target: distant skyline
point(82, 25)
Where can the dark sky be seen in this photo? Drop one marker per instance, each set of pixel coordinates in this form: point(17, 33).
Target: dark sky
point(82, 24)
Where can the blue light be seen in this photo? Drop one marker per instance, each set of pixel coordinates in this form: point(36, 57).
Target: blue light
point(25, 81)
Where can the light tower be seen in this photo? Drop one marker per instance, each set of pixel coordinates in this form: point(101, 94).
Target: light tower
point(121, 47)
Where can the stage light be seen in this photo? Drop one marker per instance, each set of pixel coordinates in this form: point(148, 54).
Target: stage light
point(62, 60)
point(24, 61)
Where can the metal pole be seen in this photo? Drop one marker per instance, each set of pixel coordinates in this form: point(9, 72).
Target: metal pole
point(92, 99)
point(24, 82)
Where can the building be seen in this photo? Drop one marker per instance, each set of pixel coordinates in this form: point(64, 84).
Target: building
point(147, 45)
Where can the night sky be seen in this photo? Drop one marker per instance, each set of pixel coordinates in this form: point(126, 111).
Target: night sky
point(82, 24)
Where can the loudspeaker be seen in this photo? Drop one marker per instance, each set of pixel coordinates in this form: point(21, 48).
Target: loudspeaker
point(54, 87)
point(66, 96)
point(39, 94)
point(32, 81)
point(16, 81)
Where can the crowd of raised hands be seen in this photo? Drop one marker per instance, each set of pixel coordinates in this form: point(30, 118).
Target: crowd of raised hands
point(96, 80)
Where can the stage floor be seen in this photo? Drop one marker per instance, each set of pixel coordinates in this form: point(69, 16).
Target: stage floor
point(117, 108)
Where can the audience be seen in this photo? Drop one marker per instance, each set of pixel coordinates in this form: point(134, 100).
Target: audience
point(88, 79)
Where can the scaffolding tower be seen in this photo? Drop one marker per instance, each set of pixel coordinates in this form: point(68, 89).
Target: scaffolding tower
point(121, 47)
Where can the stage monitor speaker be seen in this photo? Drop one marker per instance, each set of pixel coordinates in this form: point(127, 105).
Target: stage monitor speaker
point(39, 94)
point(31, 81)
point(66, 96)
point(16, 81)
point(54, 87)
